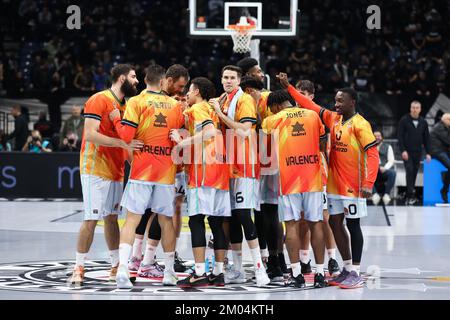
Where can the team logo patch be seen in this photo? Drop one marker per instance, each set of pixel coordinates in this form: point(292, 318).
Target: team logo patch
point(53, 277)
point(298, 130)
point(160, 121)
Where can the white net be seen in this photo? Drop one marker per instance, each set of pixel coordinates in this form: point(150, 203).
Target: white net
point(241, 40)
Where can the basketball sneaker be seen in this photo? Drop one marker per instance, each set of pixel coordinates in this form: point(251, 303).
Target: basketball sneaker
point(319, 281)
point(353, 281)
point(282, 263)
point(113, 274)
point(123, 278)
point(333, 267)
point(234, 276)
point(341, 277)
point(170, 278)
point(134, 264)
point(216, 280)
point(153, 270)
point(306, 267)
point(261, 277)
point(194, 281)
point(299, 281)
point(179, 264)
point(77, 278)
point(273, 269)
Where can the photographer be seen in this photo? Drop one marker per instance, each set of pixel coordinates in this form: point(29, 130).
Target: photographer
point(36, 144)
point(71, 143)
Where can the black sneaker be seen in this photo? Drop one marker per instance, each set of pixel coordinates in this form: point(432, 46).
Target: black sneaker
point(333, 267)
point(444, 195)
point(299, 281)
point(273, 269)
point(178, 265)
point(216, 280)
point(319, 281)
point(194, 281)
point(306, 267)
point(282, 263)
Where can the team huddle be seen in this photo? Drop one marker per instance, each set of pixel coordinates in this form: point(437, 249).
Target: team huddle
point(271, 166)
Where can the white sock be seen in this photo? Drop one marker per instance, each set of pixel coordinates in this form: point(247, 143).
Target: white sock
point(296, 269)
point(256, 256)
point(176, 244)
point(114, 256)
point(137, 248)
point(149, 256)
point(169, 261)
point(124, 254)
point(218, 268)
point(200, 268)
point(264, 253)
point(357, 269)
point(319, 269)
point(79, 259)
point(304, 256)
point(331, 253)
point(348, 265)
point(237, 259)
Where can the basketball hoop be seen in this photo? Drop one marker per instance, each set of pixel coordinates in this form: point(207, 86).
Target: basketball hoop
point(242, 35)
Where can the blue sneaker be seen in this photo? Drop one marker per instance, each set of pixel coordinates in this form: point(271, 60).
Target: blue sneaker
point(340, 278)
point(353, 281)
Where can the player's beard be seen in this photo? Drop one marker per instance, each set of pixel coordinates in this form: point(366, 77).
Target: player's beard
point(128, 89)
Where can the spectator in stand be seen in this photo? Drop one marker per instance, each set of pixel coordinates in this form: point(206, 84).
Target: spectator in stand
point(74, 124)
point(36, 144)
point(440, 150)
point(100, 79)
point(71, 143)
point(20, 132)
point(4, 144)
point(44, 126)
point(413, 138)
point(386, 174)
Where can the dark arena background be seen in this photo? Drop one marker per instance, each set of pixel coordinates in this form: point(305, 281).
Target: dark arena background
point(55, 55)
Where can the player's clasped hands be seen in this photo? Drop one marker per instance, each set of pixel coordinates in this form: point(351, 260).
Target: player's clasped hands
point(215, 104)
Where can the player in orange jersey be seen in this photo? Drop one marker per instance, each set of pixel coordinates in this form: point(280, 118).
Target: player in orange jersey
point(237, 111)
point(149, 117)
point(306, 88)
point(353, 169)
point(297, 134)
point(102, 160)
point(145, 265)
point(208, 182)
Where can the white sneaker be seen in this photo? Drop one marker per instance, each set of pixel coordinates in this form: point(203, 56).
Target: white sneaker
point(123, 278)
point(376, 199)
point(262, 278)
point(386, 199)
point(234, 276)
point(170, 278)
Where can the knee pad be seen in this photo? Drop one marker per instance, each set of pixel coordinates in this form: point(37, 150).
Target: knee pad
point(197, 226)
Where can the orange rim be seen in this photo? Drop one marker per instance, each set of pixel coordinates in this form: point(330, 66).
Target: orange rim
point(241, 27)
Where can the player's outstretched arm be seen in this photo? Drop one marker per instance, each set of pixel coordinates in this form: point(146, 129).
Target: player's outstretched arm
point(91, 134)
point(205, 134)
point(125, 131)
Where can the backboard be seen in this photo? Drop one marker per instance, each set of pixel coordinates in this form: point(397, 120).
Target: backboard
point(273, 19)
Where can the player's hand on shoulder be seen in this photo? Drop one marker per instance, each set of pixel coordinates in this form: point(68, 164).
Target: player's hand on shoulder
point(136, 144)
point(283, 78)
point(175, 136)
point(114, 114)
point(215, 104)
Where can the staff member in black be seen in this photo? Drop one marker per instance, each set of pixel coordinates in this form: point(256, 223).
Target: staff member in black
point(440, 150)
point(413, 136)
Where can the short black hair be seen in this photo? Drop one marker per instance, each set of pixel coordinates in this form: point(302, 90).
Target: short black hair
point(177, 71)
point(119, 70)
point(246, 64)
point(251, 82)
point(279, 97)
point(351, 92)
point(233, 68)
point(205, 86)
point(306, 85)
point(154, 74)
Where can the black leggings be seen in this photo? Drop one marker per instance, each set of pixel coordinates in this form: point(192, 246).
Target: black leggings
point(242, 218)
point(356, 239)
point(197, 226)
point(269, 213)
point(259, 224)
point(154, 232)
